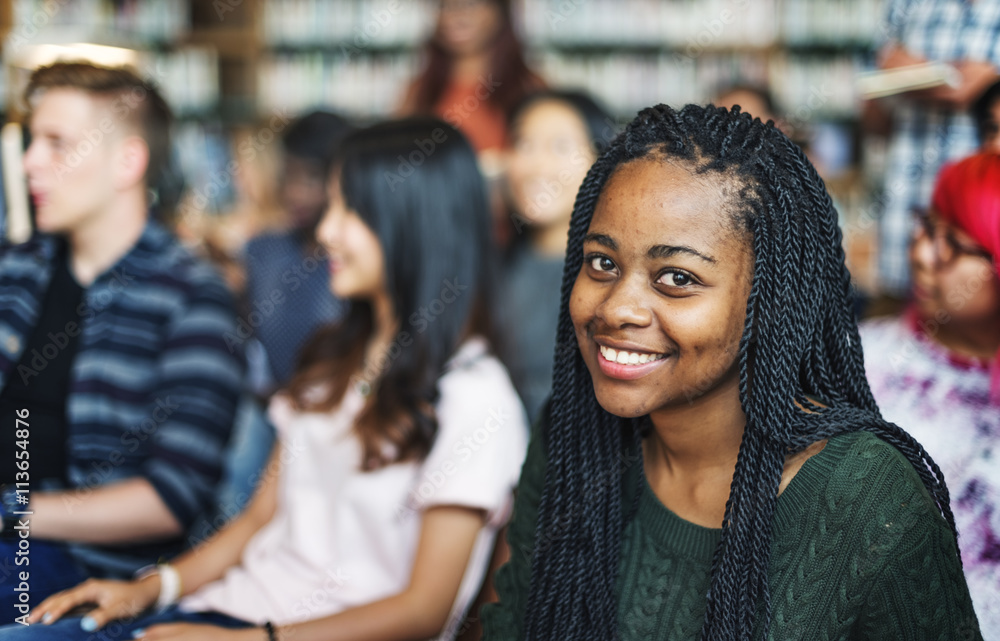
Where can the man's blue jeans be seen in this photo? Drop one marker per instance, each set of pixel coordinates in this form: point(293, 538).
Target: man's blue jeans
point(69, 629)
point(48, 569)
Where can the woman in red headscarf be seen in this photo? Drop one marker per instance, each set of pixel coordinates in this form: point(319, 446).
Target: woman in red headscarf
point(936, 368)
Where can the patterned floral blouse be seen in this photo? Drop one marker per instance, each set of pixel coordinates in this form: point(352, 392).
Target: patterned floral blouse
point(943, 400)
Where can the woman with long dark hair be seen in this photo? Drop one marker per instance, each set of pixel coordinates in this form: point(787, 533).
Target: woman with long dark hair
point(713, 464)
point(400, 437)
point(474, 72)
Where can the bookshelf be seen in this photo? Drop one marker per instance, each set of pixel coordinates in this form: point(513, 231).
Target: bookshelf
point(353, 56)
point(239, 59)
point(680, 51)
point(146, 33)
point(243, 61)
point(6, 22)
point(155, 36)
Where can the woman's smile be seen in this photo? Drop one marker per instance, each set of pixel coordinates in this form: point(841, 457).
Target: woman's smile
point(627, 364)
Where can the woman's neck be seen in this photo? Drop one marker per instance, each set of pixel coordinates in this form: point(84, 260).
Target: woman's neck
point(550, 240)
point(704, 434)
point(470, 68)
point(385, 326)
point(690, 458)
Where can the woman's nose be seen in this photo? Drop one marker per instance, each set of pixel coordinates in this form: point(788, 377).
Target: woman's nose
point(626, 304)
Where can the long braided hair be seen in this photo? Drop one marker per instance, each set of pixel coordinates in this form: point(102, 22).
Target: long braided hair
point(800, 342)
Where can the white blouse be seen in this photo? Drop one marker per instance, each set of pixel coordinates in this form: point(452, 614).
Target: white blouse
point(342, 537)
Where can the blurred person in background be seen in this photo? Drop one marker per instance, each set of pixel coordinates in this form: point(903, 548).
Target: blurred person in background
point(256, 210)
point(287, 297)
point(474, 74)
point(931, 126)
point(986, 112)
point(117, 390)
point(555, 136)
point(758, 101)
point(752, 99)
point(401, 436)
point(935, 369)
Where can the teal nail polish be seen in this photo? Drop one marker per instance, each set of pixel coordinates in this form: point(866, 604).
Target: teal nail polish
point(138, 634)
point(87, 624)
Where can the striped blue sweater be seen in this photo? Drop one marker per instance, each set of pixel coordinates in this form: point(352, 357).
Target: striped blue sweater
point(154, 386)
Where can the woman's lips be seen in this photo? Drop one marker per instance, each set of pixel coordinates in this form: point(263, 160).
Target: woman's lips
point(631, 369)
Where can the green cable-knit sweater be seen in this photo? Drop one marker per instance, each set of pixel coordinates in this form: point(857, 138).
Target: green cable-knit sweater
point(859, 552)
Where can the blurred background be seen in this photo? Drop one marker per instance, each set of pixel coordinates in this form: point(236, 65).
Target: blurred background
point(235, 71)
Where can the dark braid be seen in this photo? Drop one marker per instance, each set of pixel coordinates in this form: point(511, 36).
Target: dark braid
point(800, 342)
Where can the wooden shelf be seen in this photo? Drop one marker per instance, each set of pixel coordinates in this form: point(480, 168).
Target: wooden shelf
point(230, 42)
point(6, 18)
point(601, 48)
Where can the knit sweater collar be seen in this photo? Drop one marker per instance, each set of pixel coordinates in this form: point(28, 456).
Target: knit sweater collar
point(696, 542)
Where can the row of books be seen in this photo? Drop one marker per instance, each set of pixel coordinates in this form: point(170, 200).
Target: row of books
point(808, 88)
point(702, 24)
point(364, 86)
point(679, 24)
point(699, 24)
point(359, 24)
point(188, 78)
point(361, 77)
point(145, 20)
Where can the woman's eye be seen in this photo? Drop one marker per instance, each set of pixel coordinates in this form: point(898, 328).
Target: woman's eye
point(676, 279)
point(602, 263)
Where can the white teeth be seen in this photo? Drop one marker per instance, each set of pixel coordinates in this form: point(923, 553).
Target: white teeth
point(628, 358)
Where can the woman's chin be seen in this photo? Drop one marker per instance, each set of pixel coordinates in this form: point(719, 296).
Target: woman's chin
point(343, 290)
point(622, 406)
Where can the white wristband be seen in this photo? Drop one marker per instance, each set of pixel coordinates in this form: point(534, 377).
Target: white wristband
point(170, 586)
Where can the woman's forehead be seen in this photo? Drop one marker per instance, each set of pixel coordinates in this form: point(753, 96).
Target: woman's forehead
point(655, 193)
point(956, 230)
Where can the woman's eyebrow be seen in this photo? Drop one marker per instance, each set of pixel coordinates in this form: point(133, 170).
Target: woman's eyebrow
point(669, 251)
point(601, 239)
point(656, 251)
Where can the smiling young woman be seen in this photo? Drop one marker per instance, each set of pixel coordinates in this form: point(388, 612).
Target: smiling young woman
point(713, 464)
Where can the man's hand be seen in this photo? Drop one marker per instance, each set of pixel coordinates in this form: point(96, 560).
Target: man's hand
point(894, 56)
point(977, 77)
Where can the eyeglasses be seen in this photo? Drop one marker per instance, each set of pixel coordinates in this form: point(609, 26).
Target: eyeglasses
point(947, 248)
